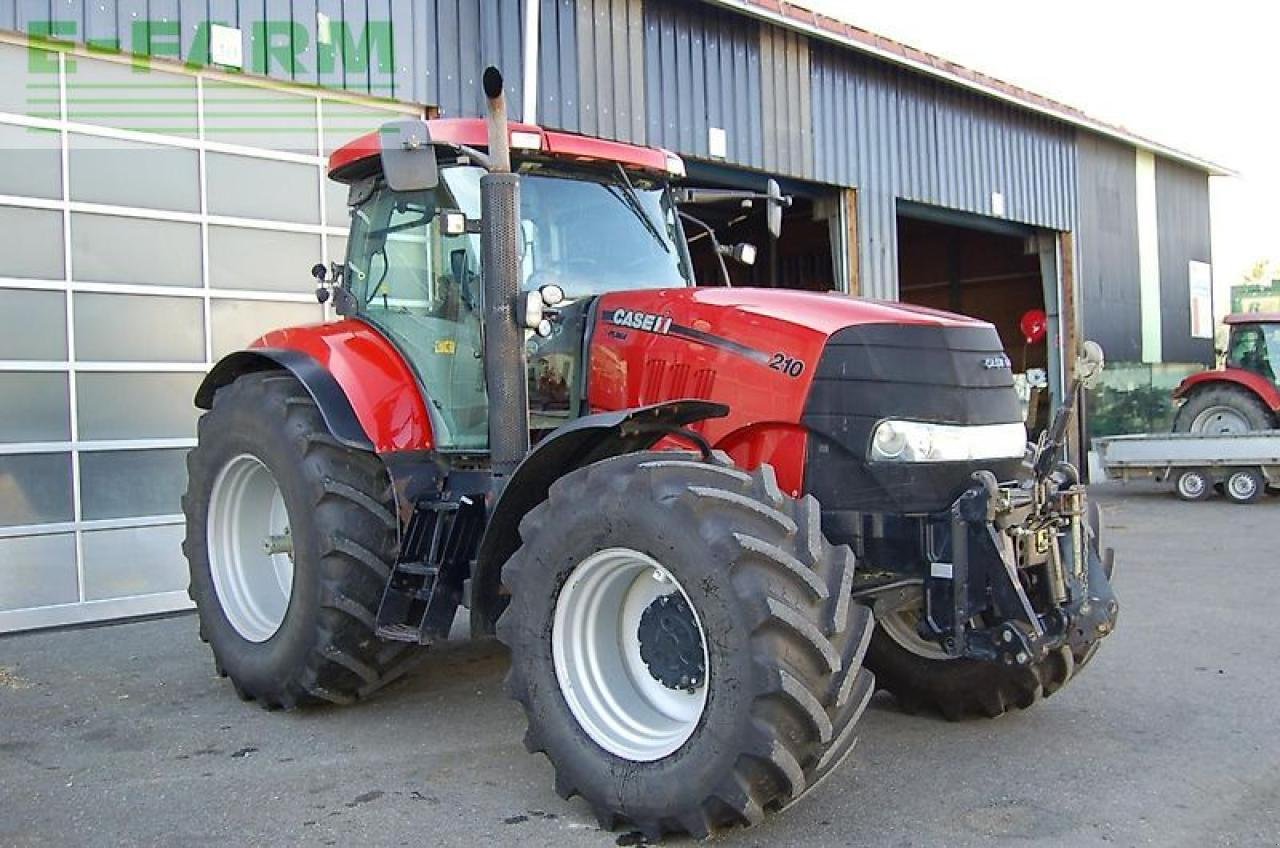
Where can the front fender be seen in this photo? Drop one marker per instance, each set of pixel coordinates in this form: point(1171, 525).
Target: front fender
point(575, 445)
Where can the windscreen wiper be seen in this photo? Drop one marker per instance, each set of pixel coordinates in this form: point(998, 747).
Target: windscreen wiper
point(626, 194)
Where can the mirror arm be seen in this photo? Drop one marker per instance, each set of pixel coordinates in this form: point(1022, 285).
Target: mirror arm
point(715, 245)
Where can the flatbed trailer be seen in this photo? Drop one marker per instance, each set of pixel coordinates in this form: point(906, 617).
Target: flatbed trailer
point(1242, 466)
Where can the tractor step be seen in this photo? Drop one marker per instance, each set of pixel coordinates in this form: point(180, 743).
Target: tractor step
point(424, 589)
point(402, 633)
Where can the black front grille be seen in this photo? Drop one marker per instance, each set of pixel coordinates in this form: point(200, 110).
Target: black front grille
point(944, 375)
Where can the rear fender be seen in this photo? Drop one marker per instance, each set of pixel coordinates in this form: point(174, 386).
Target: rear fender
point(369, 396)
point(331, 400)
point(1255, 383)
point(579, 443)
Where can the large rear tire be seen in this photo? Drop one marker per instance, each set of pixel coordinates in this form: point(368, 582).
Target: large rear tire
point(1219, 409)
point(290, 538)
point(742, 714)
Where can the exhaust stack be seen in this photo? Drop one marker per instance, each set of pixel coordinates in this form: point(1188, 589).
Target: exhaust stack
point(504, 357)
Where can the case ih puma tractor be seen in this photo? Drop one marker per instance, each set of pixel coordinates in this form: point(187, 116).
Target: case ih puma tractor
point(742, 511)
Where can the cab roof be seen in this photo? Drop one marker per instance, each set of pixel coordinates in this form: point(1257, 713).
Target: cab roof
point(1253, 318)
point(360, 157)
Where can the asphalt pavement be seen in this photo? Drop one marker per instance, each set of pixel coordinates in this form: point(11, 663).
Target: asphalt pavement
point(122, 735)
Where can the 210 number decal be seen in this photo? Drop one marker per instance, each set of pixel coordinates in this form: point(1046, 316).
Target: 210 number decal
point(788, 365)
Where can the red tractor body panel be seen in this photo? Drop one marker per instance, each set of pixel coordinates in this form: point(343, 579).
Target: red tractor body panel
point(382, 389)
point(755, 350)
point(1256, 383)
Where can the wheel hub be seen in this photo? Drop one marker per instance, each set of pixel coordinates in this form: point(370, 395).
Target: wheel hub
point(670, 644)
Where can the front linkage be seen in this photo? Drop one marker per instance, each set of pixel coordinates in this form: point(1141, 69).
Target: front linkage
point(1014, 550)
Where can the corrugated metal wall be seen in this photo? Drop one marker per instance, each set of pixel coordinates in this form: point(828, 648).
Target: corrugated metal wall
point(702, 70)
point(784, 97)
point(1182, 215)
point(420, 51)
point(1107, 272)
point(558, 64)
point(896, 135)
point(611, 88)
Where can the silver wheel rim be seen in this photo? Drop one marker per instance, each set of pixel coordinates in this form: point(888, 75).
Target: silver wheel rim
point(898, 613)
point(250, 548)
point(595, 645)
point(1192, 485)
point(1220, 420)
point(1242, 486)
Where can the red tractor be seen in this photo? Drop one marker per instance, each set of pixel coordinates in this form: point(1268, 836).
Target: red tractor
point(1245, 394)
point(739, 505)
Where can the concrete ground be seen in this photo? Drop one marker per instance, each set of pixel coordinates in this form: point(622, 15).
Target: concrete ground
point(123, 736)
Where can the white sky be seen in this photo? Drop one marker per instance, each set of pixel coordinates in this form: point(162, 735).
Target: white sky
point(1200, 77)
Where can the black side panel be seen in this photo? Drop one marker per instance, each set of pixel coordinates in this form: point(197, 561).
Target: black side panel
point(944, 375)
point(332, 401)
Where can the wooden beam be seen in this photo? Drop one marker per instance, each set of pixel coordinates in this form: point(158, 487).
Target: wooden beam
point(849, 199)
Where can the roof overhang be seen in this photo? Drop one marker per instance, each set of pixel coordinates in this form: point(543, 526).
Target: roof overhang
point(829, 29)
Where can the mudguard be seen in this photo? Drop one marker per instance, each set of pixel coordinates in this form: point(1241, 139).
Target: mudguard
point(1255, 383)
point(579, 443)
point(332, 401)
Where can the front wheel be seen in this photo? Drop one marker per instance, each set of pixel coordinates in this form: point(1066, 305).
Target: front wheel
point(683, 642)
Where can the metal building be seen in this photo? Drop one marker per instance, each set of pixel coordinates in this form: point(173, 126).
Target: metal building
point(162, 195)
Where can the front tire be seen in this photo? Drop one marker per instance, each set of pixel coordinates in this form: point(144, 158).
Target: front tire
point(290, 538)
point(759, 705)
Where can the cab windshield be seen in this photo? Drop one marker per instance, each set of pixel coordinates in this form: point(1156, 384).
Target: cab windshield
point(588, 231)
point(1256, 348)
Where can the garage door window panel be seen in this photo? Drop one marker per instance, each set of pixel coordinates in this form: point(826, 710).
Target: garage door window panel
point(138, 328)
point(129, 96)
point(31, 243)
point(34, 407)
point(32, 162)
point(246, 187)
point(267, 260)
point(37, 571)
point(132, 251)
point(136, 406)
point(33, 325)
point(128, 173)
point(131, 483)
point(133, 561)
point(35, 489)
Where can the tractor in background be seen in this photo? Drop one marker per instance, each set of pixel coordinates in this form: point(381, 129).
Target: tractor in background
point(708, 521)
point(1243, 395)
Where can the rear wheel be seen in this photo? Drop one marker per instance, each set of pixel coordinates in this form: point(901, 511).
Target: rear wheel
point(1222, 410)
point(1244, 486)
point(290, 538)
point(683, 642)
point(1193, 485)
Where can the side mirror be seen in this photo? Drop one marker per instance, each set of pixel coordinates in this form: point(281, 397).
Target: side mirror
point(408, 157)
point(321, 275)
point(743, 253)
point(1090, 363)
point(775, 202)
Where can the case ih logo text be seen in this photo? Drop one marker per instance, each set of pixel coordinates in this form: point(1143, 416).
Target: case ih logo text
point(646, 321)
point(991, 363)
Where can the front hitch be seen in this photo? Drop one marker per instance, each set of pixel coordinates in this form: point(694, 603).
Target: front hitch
point(1025, 577)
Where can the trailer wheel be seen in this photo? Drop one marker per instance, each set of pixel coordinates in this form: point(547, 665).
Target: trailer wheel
point(683, 642)
point(1193, 485)
point(290, 538)
point(1244, 486)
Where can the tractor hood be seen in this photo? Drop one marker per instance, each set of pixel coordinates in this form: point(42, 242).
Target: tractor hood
point(825, 365)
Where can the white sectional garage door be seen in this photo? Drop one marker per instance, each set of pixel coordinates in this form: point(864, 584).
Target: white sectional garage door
point(151, 220)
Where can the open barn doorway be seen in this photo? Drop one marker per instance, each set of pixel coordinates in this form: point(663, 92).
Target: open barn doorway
point(997, 271)
point(804, 256)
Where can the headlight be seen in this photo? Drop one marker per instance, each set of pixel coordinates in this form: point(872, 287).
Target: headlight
point(917, 441)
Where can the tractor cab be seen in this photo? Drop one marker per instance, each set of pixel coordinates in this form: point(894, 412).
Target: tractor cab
point(1254, 345)
point(595, 217)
